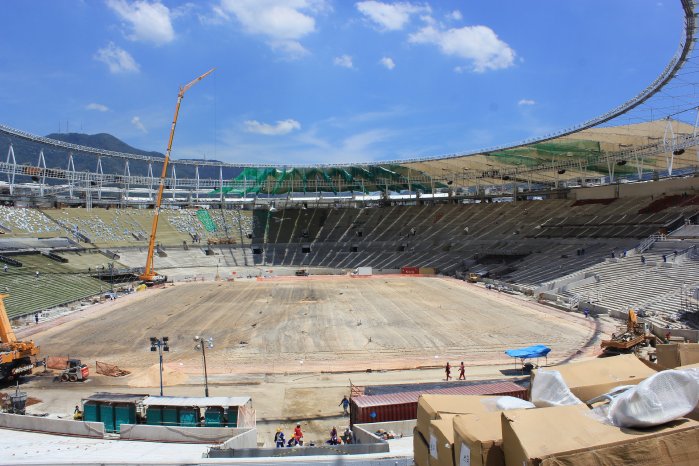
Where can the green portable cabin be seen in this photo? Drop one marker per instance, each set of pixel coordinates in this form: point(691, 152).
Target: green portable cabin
point(112, 409)
point(91, 412)
point(214, 417)
point(217, 411)
point(124, 414)
point(154, 416)
point(170, 416)
point(189, 417)
point(107, 416)
point(232, 416)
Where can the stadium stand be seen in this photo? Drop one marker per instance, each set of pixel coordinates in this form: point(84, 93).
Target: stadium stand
point(54, 285)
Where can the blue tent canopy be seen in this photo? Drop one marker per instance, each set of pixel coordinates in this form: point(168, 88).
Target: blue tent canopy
point(536, 351)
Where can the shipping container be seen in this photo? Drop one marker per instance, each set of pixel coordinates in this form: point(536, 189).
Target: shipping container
point(403, 405)
point(427, 271)
point(409, 270)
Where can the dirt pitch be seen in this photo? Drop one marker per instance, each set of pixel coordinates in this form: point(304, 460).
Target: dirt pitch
point(296, 344)
point(317, 324)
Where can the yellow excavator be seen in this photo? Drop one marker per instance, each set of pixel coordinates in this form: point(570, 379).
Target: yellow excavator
point(629, 338)
point(15, 356)
point(149, 276)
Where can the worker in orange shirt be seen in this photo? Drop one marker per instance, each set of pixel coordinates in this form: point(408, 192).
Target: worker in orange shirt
point(298, 434)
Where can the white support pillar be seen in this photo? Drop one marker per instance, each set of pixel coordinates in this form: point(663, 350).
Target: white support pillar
point(220, 182)
point(41, 165)
point(71, 174)
point(100, 175)
point(669, 145)
point(151, 180)
point(174, 181)
point(196, 182)
point(610, 166)
point(127, 178)
point(11, 174)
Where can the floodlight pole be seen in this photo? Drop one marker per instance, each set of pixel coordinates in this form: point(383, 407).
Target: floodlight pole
point(161, 344)
point(201, 344)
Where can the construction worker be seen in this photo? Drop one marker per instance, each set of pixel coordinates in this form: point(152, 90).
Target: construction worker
point(279, 438)
point(298, 435)
point(36, 317)
point(333, 436)
point(447, 370)
point(462, 371)
point(345, 405)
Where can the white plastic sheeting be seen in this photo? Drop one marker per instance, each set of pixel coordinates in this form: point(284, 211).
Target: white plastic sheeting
point(549, 389)
point(660, 398)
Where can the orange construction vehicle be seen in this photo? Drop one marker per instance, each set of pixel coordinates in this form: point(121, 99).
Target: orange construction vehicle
point(629, 339)
point(15, 356)
point(149, 276)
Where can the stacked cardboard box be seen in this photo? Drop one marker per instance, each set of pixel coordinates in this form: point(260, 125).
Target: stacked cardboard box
point(463, 431)
point(677, 354)
point(568, 435)
point(434, 432)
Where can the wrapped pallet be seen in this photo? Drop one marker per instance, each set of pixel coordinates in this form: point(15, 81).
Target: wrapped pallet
point(590, 379)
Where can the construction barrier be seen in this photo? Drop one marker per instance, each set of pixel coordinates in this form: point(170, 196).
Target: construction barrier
point(57, 362)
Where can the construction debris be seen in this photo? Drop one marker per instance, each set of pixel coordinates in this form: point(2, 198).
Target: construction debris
point(110, 370)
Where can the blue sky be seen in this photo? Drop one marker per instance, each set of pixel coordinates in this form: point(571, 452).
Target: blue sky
point(312, 81)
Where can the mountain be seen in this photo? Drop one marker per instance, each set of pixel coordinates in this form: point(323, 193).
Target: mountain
point(101, 141)
point(27, 153)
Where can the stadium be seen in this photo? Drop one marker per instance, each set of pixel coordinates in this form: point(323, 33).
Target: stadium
point(305, 277)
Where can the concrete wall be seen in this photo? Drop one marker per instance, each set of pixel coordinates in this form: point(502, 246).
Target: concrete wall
point(52, 426)
point(246, 439)
point(179, 434)
point(364, 433)
point(322, 450)
point(690, 335)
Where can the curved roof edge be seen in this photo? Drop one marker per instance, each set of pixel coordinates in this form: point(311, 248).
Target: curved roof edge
point(678, 60)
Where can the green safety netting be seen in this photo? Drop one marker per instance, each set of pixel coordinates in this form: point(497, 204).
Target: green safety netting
point(369, 178)
point(206, 220)
point(395, 177)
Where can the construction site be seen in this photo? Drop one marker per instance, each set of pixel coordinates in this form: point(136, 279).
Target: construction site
point(530, 304)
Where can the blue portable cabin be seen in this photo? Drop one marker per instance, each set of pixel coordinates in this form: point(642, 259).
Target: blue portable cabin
point(113, 409)
point(213, 411)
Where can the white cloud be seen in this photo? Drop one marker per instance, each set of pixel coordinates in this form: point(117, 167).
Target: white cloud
point(282, 127)
point(388, 63)
point(98, 107)
point(283, 22)
point(455, 15)
point(118, 60)
point(526, 102)
point(344, 61)
point(478, 44)
point(390, 16)
point(136, 121)
point(149, 22)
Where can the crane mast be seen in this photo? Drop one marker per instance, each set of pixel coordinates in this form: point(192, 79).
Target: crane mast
point(149, 276)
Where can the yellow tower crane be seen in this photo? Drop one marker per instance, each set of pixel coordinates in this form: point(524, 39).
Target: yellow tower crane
point(149, 276)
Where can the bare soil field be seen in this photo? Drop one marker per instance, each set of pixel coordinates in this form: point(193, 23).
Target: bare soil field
point(327, 324)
